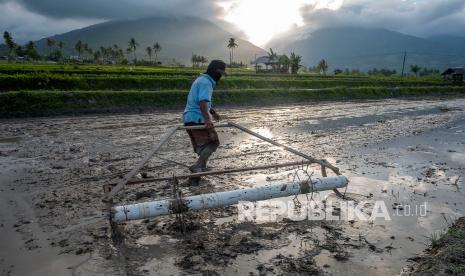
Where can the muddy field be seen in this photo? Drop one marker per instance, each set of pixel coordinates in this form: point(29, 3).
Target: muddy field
point(404, 153)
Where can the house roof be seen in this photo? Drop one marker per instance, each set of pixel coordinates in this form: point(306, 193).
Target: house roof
point(266, 60)
point(456, 70)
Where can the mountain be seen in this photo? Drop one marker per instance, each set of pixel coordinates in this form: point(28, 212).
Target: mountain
point(179, 38)
point(3, 50)
point(364, 49)
point(455, 42)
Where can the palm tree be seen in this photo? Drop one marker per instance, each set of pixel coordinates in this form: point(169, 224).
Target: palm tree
point(295, 61)
point(60, 45)
point(85, 48)
point(194, 60)
point(132, 46)
point(285, 62)
point(79, 47)
point(31, 51)
point(108, 54)
point(119, 56)
point(415, 69)
point(103, 53)
point(231, 45)
point(128, 52)
point(50, 44)
point(156, 49)
point(273, 56)
point(114, 52)
point(90, 51)
point(198, 61)
point(149, 52)
point(97, 56)
point(323, 66)
point(10, 43)
point(203, 60)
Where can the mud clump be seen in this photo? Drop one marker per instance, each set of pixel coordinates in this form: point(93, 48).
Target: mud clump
point(216, 248)
point(304, 265)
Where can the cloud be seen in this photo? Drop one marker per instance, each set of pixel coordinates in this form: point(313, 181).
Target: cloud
point(26, 25)
point(118, 9)
point(34, 19)
point(419, 17)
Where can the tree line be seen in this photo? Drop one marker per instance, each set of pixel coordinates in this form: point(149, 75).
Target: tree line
point(14, 49)
point(415, 69)
point(113, 54)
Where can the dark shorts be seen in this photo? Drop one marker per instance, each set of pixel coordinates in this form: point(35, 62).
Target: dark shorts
point(201, 138)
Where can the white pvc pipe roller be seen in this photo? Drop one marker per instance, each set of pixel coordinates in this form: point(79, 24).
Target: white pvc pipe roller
point(215, 200)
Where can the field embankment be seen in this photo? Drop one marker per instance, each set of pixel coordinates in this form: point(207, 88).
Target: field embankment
point(54, 102)
point(446, 255)
point(30, 89)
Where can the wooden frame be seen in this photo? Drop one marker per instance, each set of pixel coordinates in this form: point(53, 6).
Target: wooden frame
point(112, 190)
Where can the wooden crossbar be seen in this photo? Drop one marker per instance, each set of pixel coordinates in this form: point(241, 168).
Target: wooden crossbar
point(126, 179)
point(226, 171)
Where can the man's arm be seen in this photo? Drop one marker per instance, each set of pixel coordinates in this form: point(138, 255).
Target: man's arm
point(206, 115)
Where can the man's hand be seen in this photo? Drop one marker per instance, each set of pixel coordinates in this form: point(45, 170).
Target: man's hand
point(216, 116)
point(208, 124)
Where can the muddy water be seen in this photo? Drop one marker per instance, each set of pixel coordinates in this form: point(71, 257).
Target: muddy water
point(401, 153)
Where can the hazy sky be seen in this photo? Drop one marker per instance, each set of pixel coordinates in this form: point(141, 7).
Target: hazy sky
point(258, 20)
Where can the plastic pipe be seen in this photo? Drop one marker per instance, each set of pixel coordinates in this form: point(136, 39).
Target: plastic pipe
point(215, 200)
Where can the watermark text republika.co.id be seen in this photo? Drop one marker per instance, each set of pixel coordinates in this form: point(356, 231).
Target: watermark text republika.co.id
point(277, 210)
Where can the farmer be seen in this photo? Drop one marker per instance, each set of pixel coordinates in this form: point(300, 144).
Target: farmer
point(197, 112)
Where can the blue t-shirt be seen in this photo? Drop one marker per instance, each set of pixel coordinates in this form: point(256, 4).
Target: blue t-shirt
point(201, 90)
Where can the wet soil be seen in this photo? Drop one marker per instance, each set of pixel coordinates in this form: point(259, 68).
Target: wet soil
point(404, 153)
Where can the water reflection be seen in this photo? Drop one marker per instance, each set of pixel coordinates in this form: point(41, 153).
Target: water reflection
point(264, 131)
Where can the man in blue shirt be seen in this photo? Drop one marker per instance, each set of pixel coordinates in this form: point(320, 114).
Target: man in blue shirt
point(199, 111)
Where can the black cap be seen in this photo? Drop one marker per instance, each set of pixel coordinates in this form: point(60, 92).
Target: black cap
point(217, 65)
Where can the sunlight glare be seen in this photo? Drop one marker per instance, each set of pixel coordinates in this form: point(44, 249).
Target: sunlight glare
point(261, 20)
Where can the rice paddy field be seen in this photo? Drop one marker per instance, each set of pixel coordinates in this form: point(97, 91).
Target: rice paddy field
point(400, 142)
point(30, 89)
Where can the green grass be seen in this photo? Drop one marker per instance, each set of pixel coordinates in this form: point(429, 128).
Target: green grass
point(17, 77)
point(48, 88)
point(55, 101)
point(13, 68)
point(456, 233)
point(446, 255)
point(435, 239)
point(457, 270)
point(18, 68)
point(47, 81)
